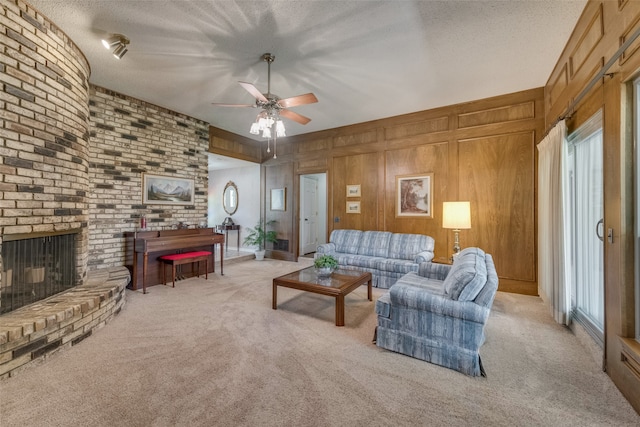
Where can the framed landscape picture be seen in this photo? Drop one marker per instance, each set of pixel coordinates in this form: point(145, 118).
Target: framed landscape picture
point(353, 207)
point(167, 190)
point(353, 190)
point(414, 195)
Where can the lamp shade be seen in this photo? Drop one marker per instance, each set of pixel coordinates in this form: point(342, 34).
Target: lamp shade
point(456, 215)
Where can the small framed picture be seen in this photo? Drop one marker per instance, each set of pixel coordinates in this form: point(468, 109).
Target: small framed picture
point(353, 207)
point(353, 190)
point(279, 199)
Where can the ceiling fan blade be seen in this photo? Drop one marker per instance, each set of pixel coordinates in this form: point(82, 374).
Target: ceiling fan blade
point(217, 104)
point(295, 117)
point(307, 98)
point(253, 91)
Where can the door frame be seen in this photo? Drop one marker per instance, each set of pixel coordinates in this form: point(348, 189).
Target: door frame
point(298, 177)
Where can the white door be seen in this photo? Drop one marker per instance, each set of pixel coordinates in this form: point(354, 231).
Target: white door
point(308, 215)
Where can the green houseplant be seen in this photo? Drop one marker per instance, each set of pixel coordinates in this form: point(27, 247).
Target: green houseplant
point(259, 236)
point(325, 264)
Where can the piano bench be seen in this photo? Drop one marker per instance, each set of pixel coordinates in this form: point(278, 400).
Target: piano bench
point(185, 258)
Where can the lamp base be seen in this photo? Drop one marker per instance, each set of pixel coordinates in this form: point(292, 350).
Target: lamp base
point(456, 244)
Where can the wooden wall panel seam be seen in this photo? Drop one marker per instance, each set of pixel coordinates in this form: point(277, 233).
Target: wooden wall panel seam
point(622, 4)
point(498, 135)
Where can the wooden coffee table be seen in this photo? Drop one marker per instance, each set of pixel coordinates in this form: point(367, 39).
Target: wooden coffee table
point(339, 284)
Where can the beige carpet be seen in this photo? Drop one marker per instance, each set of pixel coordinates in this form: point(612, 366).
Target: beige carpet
point(214, 353)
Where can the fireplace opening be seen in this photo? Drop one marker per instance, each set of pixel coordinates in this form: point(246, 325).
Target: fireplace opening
point(35, 267)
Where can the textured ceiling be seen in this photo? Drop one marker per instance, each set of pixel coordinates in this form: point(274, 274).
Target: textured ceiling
point(364, 60)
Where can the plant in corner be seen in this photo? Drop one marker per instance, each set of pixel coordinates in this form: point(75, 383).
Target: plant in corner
point(259, 236)
point(325, 264)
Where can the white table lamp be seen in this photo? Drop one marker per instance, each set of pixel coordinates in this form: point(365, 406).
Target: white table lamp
point(456, 216)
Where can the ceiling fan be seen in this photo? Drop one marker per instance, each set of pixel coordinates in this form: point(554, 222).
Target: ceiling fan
point(272, 106)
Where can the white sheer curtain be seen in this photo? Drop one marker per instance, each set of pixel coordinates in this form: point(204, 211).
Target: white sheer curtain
point(554, 285)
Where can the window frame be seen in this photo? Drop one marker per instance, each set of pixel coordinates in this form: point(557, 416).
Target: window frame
point(636, 225)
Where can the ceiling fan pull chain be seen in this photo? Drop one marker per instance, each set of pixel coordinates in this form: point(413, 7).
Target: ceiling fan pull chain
point(275, 141)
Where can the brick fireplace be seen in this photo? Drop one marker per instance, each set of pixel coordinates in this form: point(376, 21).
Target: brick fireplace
point(37, 266)
point(44, 177)
point(44, 144)
point(72, 157)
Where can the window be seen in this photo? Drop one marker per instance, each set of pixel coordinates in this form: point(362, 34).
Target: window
point(586, 211)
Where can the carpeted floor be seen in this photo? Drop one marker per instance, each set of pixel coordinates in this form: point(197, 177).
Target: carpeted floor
point(214, 353)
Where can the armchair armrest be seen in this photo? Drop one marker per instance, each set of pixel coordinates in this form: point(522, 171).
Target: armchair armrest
point(423, 256)
point(409, 296)
point(433, 270)
point(326, 248)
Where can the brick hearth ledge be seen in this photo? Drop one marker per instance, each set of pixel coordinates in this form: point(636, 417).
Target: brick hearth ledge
point(32, 333)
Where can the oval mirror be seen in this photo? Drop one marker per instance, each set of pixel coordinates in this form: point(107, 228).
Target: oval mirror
point(230, 198)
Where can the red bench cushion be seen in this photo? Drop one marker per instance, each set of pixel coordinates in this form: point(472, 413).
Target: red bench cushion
point(176, 257)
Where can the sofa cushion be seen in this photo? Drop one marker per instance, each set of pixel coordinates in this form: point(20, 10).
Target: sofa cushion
point(408, 246)
point(359, 261)
point(433, 286)
point(396, 265)
point(375, 243)
point(467, 276)
point(346, 241)
point(473, 288)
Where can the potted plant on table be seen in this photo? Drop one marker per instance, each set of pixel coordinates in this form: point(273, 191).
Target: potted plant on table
point(325, 265)
point(258, 236)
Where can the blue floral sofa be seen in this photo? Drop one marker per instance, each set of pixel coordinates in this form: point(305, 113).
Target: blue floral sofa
point(439, 313)
point(387, 256)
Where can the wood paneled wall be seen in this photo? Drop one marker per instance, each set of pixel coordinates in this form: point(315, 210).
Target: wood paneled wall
point(601, 30)
point(481, 151)
point(232, 145)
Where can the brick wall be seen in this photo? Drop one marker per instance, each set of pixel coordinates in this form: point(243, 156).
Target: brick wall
point(44, 129)
point(73, 155)
point(130, 137)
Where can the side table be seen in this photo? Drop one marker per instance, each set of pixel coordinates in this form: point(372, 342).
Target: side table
point(442, 260)
point(226, 228)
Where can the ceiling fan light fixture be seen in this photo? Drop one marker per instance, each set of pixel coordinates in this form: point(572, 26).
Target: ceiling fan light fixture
point(272, 107)
point(255, 128)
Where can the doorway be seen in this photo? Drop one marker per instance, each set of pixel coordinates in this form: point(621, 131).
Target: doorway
point(313, 212)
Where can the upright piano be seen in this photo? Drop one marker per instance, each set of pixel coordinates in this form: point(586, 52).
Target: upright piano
point(145, 247)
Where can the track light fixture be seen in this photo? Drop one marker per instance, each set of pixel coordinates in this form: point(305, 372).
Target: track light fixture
point(110, 42)
point(118, 43)
point(119, 51)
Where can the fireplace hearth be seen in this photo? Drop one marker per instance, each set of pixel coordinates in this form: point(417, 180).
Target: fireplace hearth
point(35, 267)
